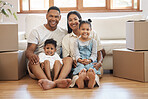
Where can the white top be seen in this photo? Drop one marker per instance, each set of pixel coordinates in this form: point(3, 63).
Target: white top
point(40, 34)
point(43, 57)
point(93, 56)
point(68, 43)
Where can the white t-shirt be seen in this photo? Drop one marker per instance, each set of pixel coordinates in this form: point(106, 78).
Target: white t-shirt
point(43, 57)
point(41, 33)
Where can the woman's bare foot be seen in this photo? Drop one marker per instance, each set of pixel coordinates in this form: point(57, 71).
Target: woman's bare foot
point(82, 77)
point(46, 84)
point(91, 76)
point(63, 83)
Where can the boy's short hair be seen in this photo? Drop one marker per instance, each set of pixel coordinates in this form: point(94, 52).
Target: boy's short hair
point(50, 41)
point(54, 8)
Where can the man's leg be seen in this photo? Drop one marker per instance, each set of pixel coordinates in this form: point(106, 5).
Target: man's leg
point(37, 71)
point(67, 65)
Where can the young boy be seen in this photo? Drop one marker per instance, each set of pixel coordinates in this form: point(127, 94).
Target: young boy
point(49, 59)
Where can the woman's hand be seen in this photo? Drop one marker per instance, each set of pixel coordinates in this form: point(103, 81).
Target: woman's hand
point(34, 59)
point(74, 63)
point(97, 65)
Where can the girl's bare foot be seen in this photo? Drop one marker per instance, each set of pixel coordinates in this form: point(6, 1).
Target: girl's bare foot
point(91, 76)
point(82, 77)
point(46, 84)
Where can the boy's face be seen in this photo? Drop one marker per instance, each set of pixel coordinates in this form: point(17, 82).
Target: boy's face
point(49, 49)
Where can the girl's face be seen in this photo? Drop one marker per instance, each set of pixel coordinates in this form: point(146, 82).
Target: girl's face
point(85, 30)
point(49, 49)
point(73, 22)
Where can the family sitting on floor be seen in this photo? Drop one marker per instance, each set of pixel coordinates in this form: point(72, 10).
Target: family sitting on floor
point(79, 47)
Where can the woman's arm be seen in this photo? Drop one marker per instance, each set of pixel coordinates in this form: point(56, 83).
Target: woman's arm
point(65, 46)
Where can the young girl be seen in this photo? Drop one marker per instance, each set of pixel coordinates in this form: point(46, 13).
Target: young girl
point(49, 58)
point(85, 55)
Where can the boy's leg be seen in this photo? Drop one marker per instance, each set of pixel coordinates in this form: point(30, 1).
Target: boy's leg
point(82, 77)
point(57, 67)
point(47, 69)
point(37, 71)
point(67, 65)
point(91, 77)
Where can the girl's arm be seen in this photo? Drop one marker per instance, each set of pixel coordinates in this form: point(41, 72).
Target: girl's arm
point(93, 56)
point(76, 53)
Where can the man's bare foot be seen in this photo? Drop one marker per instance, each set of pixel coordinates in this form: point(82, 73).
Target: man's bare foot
point(46, 84)
point(91, 76)
point(82, 77)
point(63, 83)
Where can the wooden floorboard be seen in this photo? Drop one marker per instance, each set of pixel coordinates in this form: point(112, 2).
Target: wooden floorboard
point(110, 88)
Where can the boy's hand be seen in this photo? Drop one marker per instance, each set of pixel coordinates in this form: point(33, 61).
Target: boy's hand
point(34, 59)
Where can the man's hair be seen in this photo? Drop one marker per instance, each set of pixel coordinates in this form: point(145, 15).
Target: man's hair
point(50, 41)
point(77, 14)
point(54, 8)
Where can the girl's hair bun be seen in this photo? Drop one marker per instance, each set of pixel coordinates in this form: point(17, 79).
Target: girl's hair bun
point(80, 20)
point(89, 20)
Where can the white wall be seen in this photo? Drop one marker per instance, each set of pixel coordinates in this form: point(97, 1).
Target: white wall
point(21, 17)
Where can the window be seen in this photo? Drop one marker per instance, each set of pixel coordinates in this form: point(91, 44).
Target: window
point(39, 6)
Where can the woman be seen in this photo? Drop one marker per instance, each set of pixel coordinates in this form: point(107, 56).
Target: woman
point(73, 18)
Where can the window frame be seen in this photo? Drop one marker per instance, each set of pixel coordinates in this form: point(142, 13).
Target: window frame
point(79, 7)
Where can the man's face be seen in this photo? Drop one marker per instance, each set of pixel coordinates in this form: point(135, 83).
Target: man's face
point(53, 17)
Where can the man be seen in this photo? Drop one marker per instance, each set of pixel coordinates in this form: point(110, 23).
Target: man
point(35, 46)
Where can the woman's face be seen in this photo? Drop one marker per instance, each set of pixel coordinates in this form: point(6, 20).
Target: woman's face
point(73, 22)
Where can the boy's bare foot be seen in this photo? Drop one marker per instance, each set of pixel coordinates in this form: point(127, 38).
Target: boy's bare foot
point(63, 83)
point(46, 84)
point(91, 76)
point(82, 77)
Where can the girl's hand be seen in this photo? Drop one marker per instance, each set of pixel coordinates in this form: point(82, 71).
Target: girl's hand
point(87, 61)
point(97, 65)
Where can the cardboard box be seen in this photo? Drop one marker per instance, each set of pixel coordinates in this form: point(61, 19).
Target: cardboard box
point(8, 37)
point(130, 64)
point(12, 65)
point(137, 35)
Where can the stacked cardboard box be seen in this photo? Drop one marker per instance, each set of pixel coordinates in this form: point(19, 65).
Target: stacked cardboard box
point(12, 61)
point(132, 63)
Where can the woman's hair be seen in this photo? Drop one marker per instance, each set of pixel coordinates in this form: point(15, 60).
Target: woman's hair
point(85, 21)
point(50, 41)
point(72, 12)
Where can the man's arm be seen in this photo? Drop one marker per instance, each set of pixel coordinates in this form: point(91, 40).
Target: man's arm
point(33, 58)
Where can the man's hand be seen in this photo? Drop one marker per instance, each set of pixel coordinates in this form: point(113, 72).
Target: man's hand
point(34, 59)
point(97, 65)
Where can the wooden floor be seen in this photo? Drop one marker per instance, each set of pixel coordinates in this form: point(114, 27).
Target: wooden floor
point(110, 88)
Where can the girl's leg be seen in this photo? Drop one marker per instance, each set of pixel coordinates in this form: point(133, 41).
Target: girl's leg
point(91, 77)
point(57, 68)
point(82, 77)
point(47, 69)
